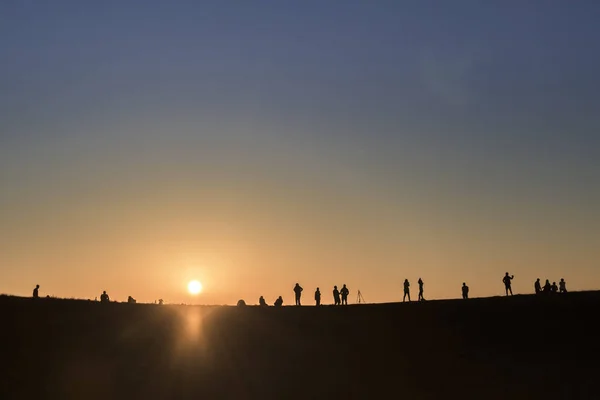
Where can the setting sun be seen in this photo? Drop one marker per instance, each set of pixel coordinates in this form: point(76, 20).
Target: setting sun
point(194, 287)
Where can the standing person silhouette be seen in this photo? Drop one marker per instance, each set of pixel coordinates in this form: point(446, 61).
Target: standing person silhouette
point(547, 287)
point(465, 291)
point(421, 298)
point(36, 292)
point(344, 292)
point(406, 290)
point(298, 291)
point(318, 297)
point(508, 283)
point(562, 285)
point(336, 296)
point(537, 286)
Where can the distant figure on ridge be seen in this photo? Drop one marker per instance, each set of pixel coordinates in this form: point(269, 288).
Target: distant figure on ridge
point(104, 298)
point(36, 292)
point(318, 297)
point(547, 287)
point(406, 290)
point(336, 296)
point(554, 288)
point(537, 286)
point(131, 300)
point(344, 292)
point(508, 283)
point(562, 285)
point(465, 291)
point(298, 291)
point(262, 302)
point(420, 282)
point(279, 302)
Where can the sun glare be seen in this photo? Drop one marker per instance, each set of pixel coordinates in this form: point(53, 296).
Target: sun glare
point(194, 287)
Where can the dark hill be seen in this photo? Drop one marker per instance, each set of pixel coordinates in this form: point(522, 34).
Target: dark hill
point(522, 347)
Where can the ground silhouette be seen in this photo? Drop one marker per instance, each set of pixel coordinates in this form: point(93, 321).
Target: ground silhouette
point(519, 347)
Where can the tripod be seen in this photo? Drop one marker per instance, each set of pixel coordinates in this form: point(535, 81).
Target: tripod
point(359, 298)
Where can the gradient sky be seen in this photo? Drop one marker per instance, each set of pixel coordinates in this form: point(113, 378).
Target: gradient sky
point(256, 144)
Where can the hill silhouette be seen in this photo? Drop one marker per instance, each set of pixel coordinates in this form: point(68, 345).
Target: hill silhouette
point(521, 347)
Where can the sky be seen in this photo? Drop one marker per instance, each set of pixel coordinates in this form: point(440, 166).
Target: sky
point(253, 145)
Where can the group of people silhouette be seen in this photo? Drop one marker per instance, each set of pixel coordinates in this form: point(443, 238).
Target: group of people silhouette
point(407, 290)
point(421, 297)
point(103, 297)
point(550, 288)
point(537, 286)
point(340, 297)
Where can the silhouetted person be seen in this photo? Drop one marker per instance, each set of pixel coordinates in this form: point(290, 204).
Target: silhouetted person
point(465, 291)
point(420, 282)
point(562, 285)
point(160, 302)
point(344, 292)
point(318, 297)
point(508, 283)
point(262, 302)
point(298, 291)
point(36, 292)
point(336, 296)
point(131, 300)
point(547, 287)
point(554, 288)
point(406, 290)
point(537, 286)
point(104, 298)
point(279, 302)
